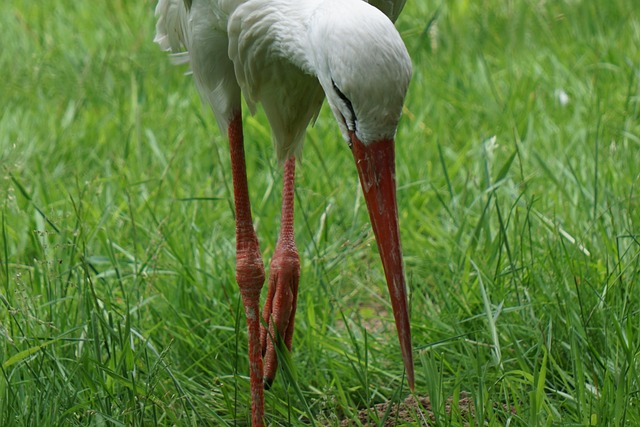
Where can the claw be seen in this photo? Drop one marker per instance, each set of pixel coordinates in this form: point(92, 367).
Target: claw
point(280, 307)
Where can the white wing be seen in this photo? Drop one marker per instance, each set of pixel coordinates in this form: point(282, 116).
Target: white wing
point(267, 45)
point(196, 32)
point(171, 28)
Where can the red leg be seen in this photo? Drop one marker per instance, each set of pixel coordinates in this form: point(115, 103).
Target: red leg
point(284, 275)
point(249, 267)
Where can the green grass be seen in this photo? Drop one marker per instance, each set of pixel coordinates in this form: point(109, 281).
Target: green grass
point(520, 218)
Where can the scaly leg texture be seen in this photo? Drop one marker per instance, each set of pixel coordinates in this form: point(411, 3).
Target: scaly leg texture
point(249, 267)
point(284, 275)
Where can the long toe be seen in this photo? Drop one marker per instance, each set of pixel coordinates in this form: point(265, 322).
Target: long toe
point(280, 310)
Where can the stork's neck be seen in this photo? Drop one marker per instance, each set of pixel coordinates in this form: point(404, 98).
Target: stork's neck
point(362, 65)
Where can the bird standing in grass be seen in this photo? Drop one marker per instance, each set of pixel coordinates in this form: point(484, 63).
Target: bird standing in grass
point(288, 55)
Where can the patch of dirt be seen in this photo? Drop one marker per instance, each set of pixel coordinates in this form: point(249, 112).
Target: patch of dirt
point(413, 411)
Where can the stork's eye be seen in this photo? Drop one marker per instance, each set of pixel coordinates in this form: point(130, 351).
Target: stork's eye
point(350, 122)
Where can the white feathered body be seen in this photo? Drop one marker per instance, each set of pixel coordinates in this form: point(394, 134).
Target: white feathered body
point(287, 55)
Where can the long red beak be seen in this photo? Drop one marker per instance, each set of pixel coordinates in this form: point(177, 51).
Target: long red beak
point(376, 168)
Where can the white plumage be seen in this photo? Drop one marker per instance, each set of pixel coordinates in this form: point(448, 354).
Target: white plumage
point(287, 55)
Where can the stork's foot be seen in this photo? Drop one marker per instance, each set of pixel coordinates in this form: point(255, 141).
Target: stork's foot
point(250, 277)
point(280, 306)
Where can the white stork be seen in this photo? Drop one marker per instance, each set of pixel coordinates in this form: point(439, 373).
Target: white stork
point(288, 55)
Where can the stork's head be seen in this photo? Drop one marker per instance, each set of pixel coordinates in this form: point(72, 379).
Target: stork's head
point(364, 69)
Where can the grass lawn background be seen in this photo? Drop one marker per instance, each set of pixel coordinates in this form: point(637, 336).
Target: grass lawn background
point(519, 193)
